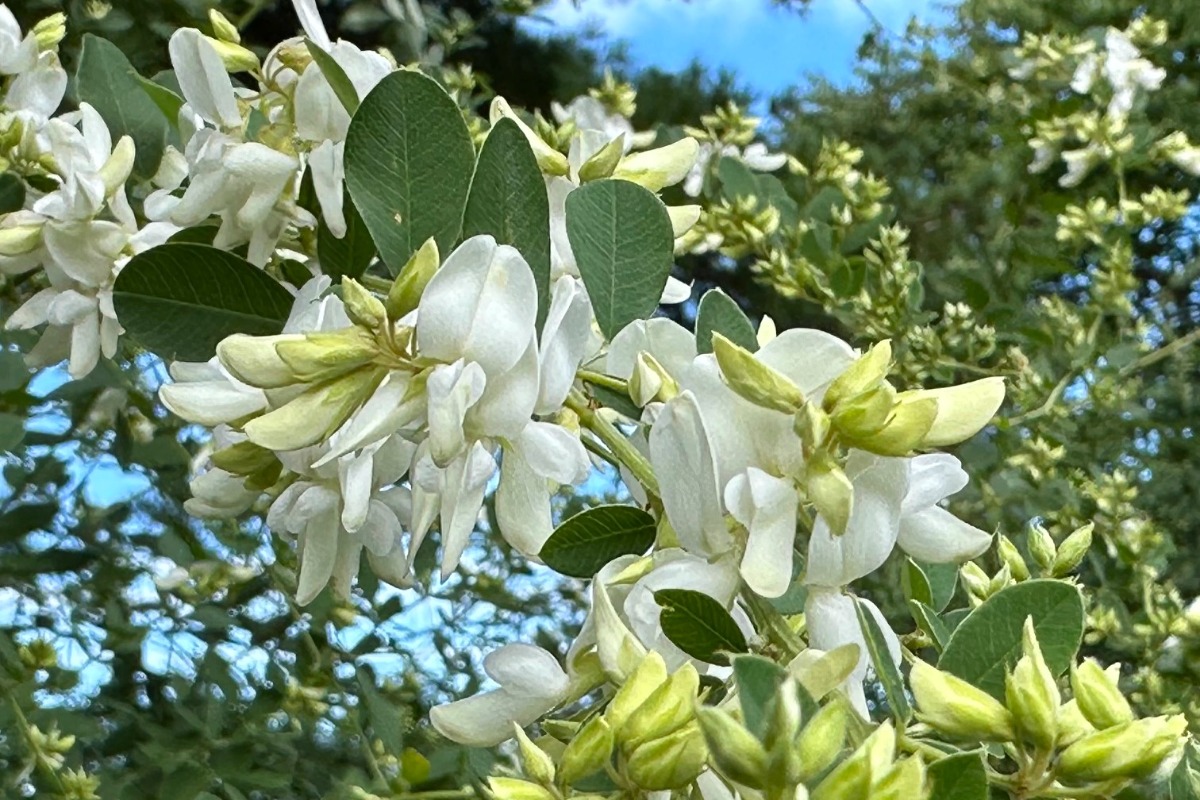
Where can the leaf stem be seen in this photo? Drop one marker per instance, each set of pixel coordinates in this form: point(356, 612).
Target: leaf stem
point(617, 442)
point(600, 379)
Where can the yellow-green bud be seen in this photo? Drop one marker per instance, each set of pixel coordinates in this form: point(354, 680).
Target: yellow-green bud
point(975, 579)
point(821, 673)
point(734, 750)
point(1032, 693)
point(956, 708)
point(294, 56)
point(649, 674)
point(516, 789)
point(831, 492)
point(243, 458)
point(362, 306)
point(1129, 750)
point(408, 287)
point(223, 29)
point(962, 411)
point(905, 430)
point(671, 762)
point(1097, 696)
point(1072, 551)
point(822, 739)
point(782, 729)
point(17, 240)
point(753, 380)
point(535, 761)
point(669, 707)
point(650, 381)
point(234, 57)
point(321, 356)
point(1011, 556)
point(660, 167)
point(549, 160)
point(1042, 547)
point(253, 360)
point(49, 31)
point(1072, 725)
point(315, 414)
point(117, 168)
point(602, 164)
point(904, 781)
point(588, 751)
point(865, 374)
point(1000, 580)
point(849, 780)
point(812, 425)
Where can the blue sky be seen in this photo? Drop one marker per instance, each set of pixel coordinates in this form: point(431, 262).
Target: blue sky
point(769, 48)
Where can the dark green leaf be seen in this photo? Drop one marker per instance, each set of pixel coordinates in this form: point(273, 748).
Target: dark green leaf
point(409, 161)
point(181, 300)
point(615, 400)
point(621, 237)
point(12, 193)
point(20, 520)
point(988, 641)
point(587, 541)
point(885, 668)
point(758, 681)
point(167, 101)
point(106, 80)
point(508, 200)
point(699, 625)
point(736, 179)
point(720, 314)
point(943, 581)
point(343, 89)
point(12, 431)
point(915, 583)
point(959, 777)
point(928, 621)
point(350, 255)
point(386, 718)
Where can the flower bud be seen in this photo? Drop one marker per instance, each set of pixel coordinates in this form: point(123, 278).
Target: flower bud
point(975, 580)
point(956, 708)
point(867, 413)
point(254, 361)
point(223, 29)
point(535, 761)
point(588, 751)
point(812, 425)
point(362, 306)
point(295, 56)
point(1097, 696)
point(650, 672)
point(753, 380)
point(650, 381)
point(602, 164)
point(1072, 551)
point(516, 789)
point(671, 762)
point(1042, 547)
point(831, 492)
point(905, 430)
point(315, 414)
point(1000, 580)
point(17, 240)
point(683, 218)
point(49, 31)
point(733, 749)
point(665, 710)
point(905, 780)
point(549, 160)
point(850, 780)
point(234, 57)
point(118, 166)
point(322, 356)
point(660, 167)
point(243, 458)
point(1011, 556)
point(822, 739)
point(1032, 693)
point(1129, 750)
point(866, 373)
point(410, 284)
point(962, 411)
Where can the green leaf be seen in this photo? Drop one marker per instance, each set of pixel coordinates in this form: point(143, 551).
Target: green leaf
point(928, 621)
point(943, 581)
point(699, 625)
point(167, 101)
point(350, 255)
point(720, 314)
point(915, 583)
point(617, 401)
point(13, 372)
point(959, 777)
point(109, 83)
point(885, 668)
point(758, 684)
point(387, 719)
point(409, 161)
point(621, 237)
point(736, 179)
point(583, 544)
point(343, 89)
point(12, 431)
point(180, 300)
point(508, 200)
point(12, 193)
point(988, 641)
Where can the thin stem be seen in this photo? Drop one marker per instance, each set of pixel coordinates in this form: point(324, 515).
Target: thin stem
point(1166, 351)
point(1045, 407)
point(773, 624)
point(600, 379)
point(620, 446)
point(376, 284)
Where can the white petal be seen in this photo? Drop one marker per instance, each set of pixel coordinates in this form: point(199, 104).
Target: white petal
point(931, 479)
point(767, 507)
point(318, 552)
point(671, 344)
point(211, 403)
point(202, 78)
point(936, 536)
point(832, 622)
point(508, 399)
point(523, 504)
point(462, 497)
point(452, 390)
point(480, 306)
point(310, 20)
point(327, 171)
point(676, 291)
point(354, 475)
point(554, 452)
point(567, 340)
point(810, 358)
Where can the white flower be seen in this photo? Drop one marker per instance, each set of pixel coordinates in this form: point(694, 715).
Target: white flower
point(832, 622)
point(1123, 67)
point(531, 684)
point(755, 156)
point(17, 53)
point(589, 114)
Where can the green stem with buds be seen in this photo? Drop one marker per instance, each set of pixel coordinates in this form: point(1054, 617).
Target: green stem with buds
point(617, 442)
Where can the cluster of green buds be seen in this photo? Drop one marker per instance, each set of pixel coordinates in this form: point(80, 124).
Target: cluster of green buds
point(647, 738)
point(619, 97)
point(735, 228)
point(1049, 560)
point(1088, 746)
point(793, 757)
point(728, 124)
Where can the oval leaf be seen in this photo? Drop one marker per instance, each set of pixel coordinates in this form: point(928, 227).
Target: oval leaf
point(409, 160)
point(180, 300)
point(621, 237)
point(885, 669)
point(12, 193)
point(508, 200)
point(959, 777)
point(587, 541)
point(109, 83)
point(699, 625)
point(988, 641)
point(718, 312)
point(758, 683)
point(335, 76)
